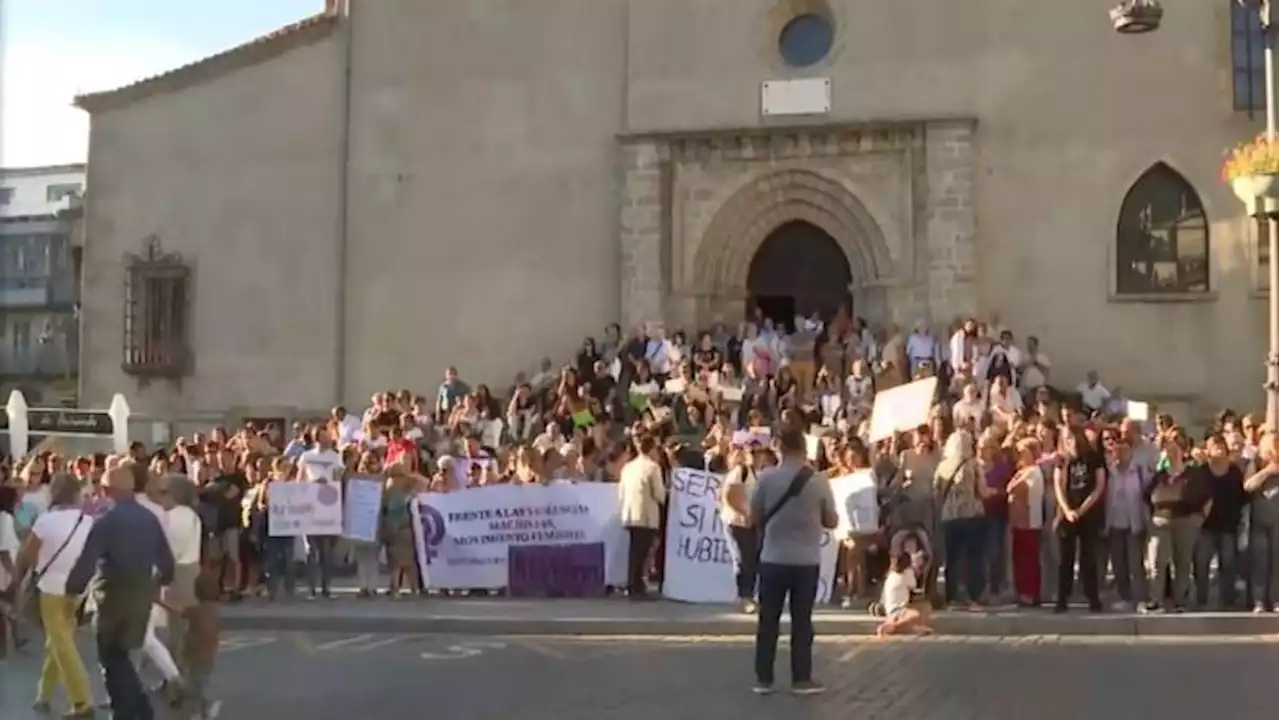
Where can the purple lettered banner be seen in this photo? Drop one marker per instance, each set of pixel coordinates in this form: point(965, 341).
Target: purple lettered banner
point(556, 570)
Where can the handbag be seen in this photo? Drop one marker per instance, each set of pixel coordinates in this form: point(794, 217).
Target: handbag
point(31, 607)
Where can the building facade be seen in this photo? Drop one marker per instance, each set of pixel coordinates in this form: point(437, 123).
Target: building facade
point(356, 201)
point(40, 209)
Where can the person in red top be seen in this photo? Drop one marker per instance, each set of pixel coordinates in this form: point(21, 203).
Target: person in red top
point(402, 450)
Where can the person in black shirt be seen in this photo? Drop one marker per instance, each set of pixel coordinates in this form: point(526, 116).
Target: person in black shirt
point(1225, 484)
point(1079, 484)
point(225, 493)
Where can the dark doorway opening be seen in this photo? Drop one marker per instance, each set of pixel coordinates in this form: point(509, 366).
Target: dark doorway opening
point(799, 269)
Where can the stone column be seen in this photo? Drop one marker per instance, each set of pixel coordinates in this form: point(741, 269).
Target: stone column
point(640, 234)
point(951, 259)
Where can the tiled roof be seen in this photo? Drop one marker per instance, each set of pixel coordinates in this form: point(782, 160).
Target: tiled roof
point(255, 51)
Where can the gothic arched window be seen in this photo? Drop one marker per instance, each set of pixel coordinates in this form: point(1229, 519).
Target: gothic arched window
point(1162, 237)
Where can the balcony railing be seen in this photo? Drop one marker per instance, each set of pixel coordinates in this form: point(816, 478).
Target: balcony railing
point(38, 291)
point(41, 361)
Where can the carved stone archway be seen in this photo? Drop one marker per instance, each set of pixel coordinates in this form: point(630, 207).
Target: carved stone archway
point(741, 225)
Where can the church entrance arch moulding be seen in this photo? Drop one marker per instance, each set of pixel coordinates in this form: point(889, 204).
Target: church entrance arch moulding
point(772, 199)
point(897, 198)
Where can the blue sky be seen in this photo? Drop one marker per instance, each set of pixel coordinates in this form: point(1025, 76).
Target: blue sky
point(52, 50)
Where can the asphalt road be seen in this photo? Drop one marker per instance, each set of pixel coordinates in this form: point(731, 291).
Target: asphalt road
point(316, 676)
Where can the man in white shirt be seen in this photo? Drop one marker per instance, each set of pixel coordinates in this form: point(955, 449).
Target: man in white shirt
point(320, 464)
point(1034, 368)
point(1093, 396)
point(349, 426)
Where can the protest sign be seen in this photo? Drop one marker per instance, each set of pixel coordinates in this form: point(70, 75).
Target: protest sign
point(304, 508)
point(901, 409)
point(701, 557)
point(700, 554)
point(464, 538)
point(362, 509)
point(575, 570)
point(857, 504)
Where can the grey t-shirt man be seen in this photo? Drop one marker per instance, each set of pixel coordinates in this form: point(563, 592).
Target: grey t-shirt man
point(794, 535)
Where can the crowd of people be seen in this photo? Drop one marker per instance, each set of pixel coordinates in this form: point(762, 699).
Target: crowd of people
point(1021, 485)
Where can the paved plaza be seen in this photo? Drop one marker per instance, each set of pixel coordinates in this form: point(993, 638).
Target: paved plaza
point(266, 675)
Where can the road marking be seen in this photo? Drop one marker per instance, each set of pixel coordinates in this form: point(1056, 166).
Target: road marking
point(243, 642)
point(384, 642)
point(335, 644)
point(463, 651)
point(543, 650)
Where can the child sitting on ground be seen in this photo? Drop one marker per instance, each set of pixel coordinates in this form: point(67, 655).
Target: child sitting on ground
point(904, 612)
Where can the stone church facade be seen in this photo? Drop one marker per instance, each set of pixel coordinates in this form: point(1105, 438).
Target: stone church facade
point(390, 187)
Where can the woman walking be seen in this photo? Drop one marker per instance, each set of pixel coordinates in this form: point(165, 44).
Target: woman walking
point(52, 548)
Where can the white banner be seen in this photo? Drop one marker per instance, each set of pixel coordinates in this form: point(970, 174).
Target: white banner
point(463, 538)
point(304, 508)
point(362, 511)
point(700, 556)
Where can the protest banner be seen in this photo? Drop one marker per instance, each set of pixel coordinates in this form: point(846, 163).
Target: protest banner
point(701, 556)
point(464, 538)
point(901, 409)
point(304, 508)
point(362, 509)
point(575, 570)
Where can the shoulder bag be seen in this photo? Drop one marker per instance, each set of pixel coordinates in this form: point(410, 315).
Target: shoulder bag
point(31, 606)
point(793, 490)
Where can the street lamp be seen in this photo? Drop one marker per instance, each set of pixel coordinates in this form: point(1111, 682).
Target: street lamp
point(1134, 17)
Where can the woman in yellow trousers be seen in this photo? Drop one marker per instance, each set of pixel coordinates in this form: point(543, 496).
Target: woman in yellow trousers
point(55, 542)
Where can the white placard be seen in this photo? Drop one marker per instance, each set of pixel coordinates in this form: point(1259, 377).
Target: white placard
point(304, 508)
point(901, 409)
point(1137, 411)
point(801, 96)
point(857, 505)
point(675, 386)
point(700, 556)
point(463, 537)
point(362, 509)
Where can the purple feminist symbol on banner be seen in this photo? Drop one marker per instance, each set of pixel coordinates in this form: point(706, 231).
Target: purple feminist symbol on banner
point(327, 495)
point(433, 527)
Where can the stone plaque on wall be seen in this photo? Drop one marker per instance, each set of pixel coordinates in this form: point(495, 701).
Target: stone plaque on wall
point(803, 96)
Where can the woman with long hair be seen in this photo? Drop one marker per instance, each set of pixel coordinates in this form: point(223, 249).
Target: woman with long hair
point(1079, 485)
point(961, 490)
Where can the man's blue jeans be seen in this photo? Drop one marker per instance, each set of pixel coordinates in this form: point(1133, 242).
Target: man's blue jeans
point(780, 585)
point(320, 562)
point(128, 699)
point(277, 560)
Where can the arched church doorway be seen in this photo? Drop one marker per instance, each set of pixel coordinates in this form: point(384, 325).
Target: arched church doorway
point(798, 269)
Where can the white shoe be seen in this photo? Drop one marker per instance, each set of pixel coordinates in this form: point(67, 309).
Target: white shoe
point(214, 709)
